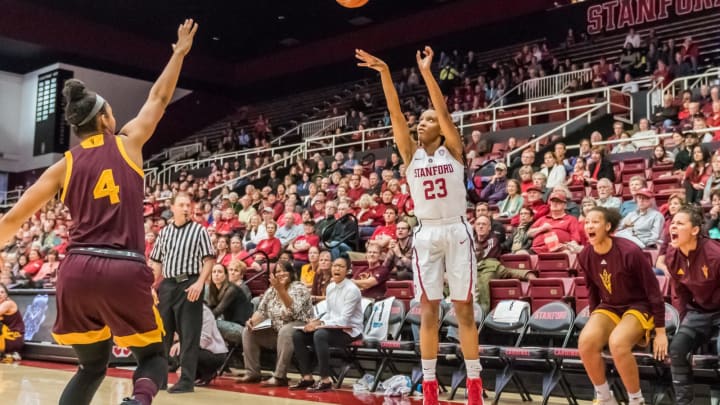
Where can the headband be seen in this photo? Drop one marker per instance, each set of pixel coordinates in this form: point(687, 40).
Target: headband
point(99, 102)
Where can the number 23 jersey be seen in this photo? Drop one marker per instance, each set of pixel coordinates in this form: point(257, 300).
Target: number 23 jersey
point(104, 191)
point(437, 185)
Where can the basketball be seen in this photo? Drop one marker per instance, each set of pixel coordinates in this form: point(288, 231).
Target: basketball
point(352, 3)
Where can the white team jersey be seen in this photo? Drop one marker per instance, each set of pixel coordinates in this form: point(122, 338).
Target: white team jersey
point(437, 185)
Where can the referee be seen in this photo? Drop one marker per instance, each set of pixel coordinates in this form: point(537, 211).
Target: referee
point(184, 255)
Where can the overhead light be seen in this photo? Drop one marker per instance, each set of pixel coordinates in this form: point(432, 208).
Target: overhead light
point(215, 38)
point(281, 17)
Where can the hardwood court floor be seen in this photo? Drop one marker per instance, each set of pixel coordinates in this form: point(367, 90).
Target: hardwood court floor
point(39, 383)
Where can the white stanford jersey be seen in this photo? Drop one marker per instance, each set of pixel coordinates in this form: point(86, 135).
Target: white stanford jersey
point(437, 185)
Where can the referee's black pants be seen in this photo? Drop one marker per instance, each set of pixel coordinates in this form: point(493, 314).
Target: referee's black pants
point(184, 317)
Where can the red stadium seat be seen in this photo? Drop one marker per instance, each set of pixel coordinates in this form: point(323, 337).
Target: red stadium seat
point(402, 290)
point(522, 262)
point(544, 291)
point(509, 289)
point(580, 293)
point(553, 265)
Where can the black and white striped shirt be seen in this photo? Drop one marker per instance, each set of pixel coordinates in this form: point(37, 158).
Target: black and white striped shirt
point(181, 250)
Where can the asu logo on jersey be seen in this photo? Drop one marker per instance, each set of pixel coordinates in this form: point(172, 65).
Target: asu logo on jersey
point(606, 280)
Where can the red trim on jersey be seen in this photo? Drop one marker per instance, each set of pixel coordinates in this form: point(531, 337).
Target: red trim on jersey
point(417, 266)
point(469, 297)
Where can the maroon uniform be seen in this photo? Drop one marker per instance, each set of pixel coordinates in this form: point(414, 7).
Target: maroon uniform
point(622, 280)
point(381, 274)
point(12, 329)
point(104, 283)
point(104, 192)
point(696, 277)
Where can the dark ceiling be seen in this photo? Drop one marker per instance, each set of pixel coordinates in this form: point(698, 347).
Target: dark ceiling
point(240, 42)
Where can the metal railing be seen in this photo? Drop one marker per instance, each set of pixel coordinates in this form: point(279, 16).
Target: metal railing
point(539, 141)
point(654, 136)
point(547, 86)
point(284, 160)
point(315, 128)
point(658, 90)
point(175, 152)
point(10, 198)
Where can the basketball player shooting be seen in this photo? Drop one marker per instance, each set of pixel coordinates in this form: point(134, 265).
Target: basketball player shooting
point(442, 241)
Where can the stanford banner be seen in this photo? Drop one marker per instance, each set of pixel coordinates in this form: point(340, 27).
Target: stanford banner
point(622, 14)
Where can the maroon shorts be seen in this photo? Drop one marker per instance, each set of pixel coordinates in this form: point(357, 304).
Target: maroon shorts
point(99, 297)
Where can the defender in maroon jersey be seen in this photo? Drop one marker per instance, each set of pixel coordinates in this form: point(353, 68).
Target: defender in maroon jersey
point(625, 305)
point(104, 284)
point(693, 262)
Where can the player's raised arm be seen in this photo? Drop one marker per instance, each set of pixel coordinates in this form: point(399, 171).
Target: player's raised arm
point(141, 128)
point(401, 132)
point(453, 141)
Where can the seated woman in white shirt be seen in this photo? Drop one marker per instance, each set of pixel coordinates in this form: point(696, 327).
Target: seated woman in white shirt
point(553, 170)
point(341, 325)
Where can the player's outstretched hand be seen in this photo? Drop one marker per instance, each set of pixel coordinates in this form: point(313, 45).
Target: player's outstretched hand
point(425, 62)
point(186, 34)
point(370, 61)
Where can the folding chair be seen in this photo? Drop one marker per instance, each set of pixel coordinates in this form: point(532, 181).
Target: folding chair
point(369, 345)
point(548, 327)
point(498, 332)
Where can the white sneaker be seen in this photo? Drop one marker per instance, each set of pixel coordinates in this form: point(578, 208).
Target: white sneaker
point(610, 401)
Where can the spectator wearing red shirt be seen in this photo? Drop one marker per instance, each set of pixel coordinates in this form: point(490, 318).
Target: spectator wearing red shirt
point(385, 233)
point(302, 244)
point(228, 224)
point(149, 242)
point(271, 245)
point(534, 201)
point(371, 279)
point(35, 262)
point(690, 53)
point(366, 215)
point(221, 250)
point(289, 207)
point(551, 232)
point(662, 74)
point(356, 190)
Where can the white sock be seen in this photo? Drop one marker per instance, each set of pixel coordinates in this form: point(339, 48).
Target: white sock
point(473, 368)
point(428, 369)
point(602, 391)
point(636, 398)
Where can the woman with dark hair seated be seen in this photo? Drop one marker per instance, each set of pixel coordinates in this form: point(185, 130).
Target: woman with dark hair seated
point(227, 301)
point(283, 306)
point(341, 325)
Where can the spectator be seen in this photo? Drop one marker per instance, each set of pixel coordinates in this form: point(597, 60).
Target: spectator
point(553, 170)
point(487, 252)
point(385, 233)
point(605, 197)
point(586, 205)
point(322, 277)
point(48, 271)
point(630, 86)
point(683, 158)
point(301, 246)
point(34, 263)
point(535, 203)
point(579, 174)
point(371, 279)
point(644, 131)
point(713, 181)
point(712, 218)
point(527, 159)
point(633, 39)
point(539, 181)
point(228, 302)
point(496, 189)
point(13, 327)
point(667, 114)
point(635, 184)
point(340, 326)
point(285, 305)
point(625, 146)
point(660, 157)
point(287, 233)
point(696, 175)
point(310, 268)
point(510, 206)
point(553, 232)
point(399, 254)
point(221, 250)
point(246, 211)
point(270, 246)
point(519, 239)
point(644, 225)
point(526, 182)
point(600, 167)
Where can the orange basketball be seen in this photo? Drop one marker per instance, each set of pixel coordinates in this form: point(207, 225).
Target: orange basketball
point(352, 3)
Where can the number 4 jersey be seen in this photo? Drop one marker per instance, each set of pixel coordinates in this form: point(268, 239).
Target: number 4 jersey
point(437, 185)
point(104, 192)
